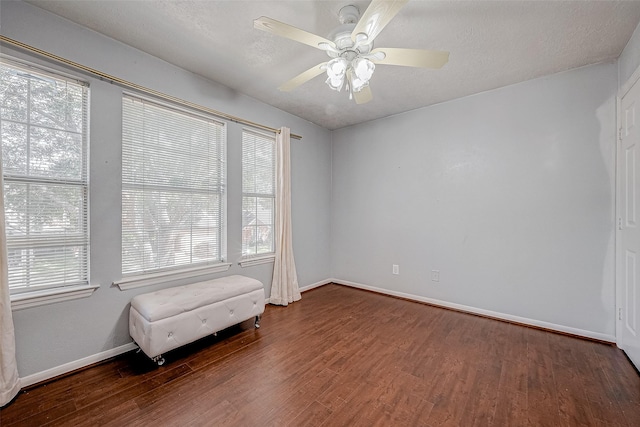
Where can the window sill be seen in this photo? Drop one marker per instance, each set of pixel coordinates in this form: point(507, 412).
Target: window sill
point(51, 296)
point(133, 282)
point(249, 262)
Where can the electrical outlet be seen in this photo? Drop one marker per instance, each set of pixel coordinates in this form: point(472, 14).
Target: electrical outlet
point(435, 275)
point(396, 269)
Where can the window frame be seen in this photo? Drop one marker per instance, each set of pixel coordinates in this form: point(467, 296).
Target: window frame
point(248, 260)
point(32, 296)
point(152, 276)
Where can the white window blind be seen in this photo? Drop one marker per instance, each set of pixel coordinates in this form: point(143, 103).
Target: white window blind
point(173, 192)
point(258, 193)
point(43, 122)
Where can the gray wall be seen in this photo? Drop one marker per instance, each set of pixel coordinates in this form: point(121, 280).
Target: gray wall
point(509, 194)
point(630, 58)
point(52, 335)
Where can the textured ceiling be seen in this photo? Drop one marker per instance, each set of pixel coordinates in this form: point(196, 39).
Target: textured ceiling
point(491, 44)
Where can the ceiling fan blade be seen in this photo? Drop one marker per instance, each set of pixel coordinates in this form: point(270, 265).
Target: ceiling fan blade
point(288, 31)
point(365, 95)
point(376, 17)
point(304, 77)
point(411, 57)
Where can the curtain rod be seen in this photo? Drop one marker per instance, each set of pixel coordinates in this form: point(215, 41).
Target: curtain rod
point(130, 85)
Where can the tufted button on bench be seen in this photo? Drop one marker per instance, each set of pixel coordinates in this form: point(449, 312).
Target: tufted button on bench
point(163, 320)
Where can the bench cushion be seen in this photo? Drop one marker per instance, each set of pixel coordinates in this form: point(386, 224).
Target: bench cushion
point(170, 302)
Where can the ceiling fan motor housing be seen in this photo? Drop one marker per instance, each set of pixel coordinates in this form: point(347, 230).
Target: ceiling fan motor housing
point(349, 14)
point(341, 35)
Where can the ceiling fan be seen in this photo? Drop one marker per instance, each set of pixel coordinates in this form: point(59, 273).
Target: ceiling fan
point(350, 45)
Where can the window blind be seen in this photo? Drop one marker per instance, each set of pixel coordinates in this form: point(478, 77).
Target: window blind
point(258, 193)
point(173, 192)
point(43, 128)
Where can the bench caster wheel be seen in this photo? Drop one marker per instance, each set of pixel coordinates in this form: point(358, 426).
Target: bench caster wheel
point(159, 360)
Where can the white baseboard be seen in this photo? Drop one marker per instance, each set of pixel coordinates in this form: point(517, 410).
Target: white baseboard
point(76, 364)
point(315, 285)
point(99, 357)
point(488, 313)
point(81, 363)
point(308, 287)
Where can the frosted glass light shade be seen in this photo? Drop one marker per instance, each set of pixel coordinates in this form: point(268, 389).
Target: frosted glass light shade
point(360, 69)
point(335, 83)
point(337, 67)
point(336, 70)
point(362, 72)
point(363, 68)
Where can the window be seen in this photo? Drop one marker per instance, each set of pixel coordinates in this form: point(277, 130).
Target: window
point(43, 121)
point(258, 194)
point(173, 193)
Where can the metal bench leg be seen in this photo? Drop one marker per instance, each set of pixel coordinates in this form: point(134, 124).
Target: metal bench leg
point(257, 322)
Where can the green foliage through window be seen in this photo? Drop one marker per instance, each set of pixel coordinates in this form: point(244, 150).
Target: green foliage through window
point(173, 169)
point(258, 193)
point(43, 129)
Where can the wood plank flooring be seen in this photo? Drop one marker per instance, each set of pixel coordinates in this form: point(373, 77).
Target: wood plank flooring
point(346, 357)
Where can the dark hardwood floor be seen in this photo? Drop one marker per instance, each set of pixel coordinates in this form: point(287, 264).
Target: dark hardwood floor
point(345, 357)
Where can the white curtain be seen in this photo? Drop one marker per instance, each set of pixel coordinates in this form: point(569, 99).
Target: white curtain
point(9, 380)
point(284, 287)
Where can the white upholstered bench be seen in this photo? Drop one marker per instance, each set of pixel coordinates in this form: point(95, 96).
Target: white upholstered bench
point(163, 320)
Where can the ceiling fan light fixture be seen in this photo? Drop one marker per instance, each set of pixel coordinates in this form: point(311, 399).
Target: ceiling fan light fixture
point(336, 70)
point(335, 83)
point(350, 47)
point(337, 67)
point(357, 84)
point(363, 69)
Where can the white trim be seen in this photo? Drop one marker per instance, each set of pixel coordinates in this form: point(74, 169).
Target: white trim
point(167, 276)
point(260, 132)
point(51, 296)
point(626, 87)
point(76, 364)
point(315, 285)
point(489, 313)
point(191, 111)
point(81, 363)
point(44, 69)
point(249, 262)
point(617, 214)
point(308, 287)
point(98, 357)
